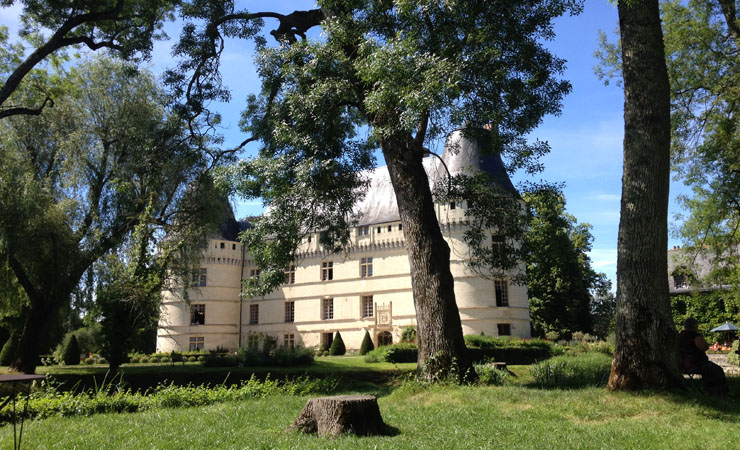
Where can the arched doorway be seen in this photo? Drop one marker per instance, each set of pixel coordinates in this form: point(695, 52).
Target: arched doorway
point(385, 338)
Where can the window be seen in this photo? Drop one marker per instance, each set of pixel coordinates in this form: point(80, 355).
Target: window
point(197, 343)
point(289, 340)
point(326, 340)
point(504, 329)
point(254, 273)
point(223, 245)
point(390, 228)
point(289, 312)
point(679, 281)
point(379, 228)
point(233, 246)
point(327, 309)
point(497, 246)
point(367, 305)
point(452, 205)
point(198, 314)
point(363, 231)
point(327, 270)
point(400, 226)
point(502, 292)
point(290, 274)
point(254, 314)
point(253, 341)
point(366, 267)
point(199, 277)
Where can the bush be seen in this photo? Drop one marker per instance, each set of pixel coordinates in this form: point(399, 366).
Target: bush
point(71, 353)
point(221, 360)
point(8, 352)
point(367, 344)
point(488, 375)
point(90, 361)
point(192, 358)
point(201, 358)
point(408, 334)
point(281, 356)
point(734, 356)
point(50, 402)
point(509, 350)
point(154, 359)
point(587, 369)
point(144, 359)
point(396, 353)
point(102, 360)
point(337, 346)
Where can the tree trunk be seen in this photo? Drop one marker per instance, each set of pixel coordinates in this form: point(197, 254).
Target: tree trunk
point(37, 321)
point(331, 416)
point(442, 350)
point(645, 353)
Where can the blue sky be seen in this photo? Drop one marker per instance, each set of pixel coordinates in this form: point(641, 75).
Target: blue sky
point(586, 139)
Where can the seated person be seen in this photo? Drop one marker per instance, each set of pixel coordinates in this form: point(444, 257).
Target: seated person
point(691, 348)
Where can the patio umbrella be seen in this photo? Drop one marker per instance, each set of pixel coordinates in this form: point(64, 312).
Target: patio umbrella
point(727, 326)
point(727, 329)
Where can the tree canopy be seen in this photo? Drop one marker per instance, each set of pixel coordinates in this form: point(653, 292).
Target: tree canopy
point(77, 182)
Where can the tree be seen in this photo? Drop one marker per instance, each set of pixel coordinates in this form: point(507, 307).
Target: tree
point(702, 42)
point(559, 273)
point(701, 45)
point(410, 72)
point(337, 346)
point(645, 349)
point(603, 307)
point(71, 355)
point(123, 26)
point(367, 344)
point(77, 182)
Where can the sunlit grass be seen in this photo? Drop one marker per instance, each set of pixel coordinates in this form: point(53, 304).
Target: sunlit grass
point(426, 417)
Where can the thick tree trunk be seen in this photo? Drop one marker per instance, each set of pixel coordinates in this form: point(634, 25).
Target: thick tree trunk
point(645, 353)
point(37, 321)
point(442, 350)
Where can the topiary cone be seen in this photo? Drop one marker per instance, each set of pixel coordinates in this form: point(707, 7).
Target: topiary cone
point(337, 346)
point(367, 344)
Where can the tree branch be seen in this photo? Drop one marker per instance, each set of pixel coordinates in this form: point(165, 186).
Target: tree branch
point(26, 111)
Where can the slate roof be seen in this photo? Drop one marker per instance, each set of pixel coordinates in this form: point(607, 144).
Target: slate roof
point(461, 155)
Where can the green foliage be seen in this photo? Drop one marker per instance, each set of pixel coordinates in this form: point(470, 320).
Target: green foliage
point(559, 273)
point(734, 356)
point(337, 346)
point(490, 376)
point(367, 344)
point(71, 353)
point(587, 369)
point(278, 356)
point(508, 350)
point(408, 334)
point(710, 308)
point(8, 352)
point(396, 353)
point(116, 399)
point(112, 166)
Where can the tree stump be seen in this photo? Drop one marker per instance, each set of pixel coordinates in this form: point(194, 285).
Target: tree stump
point(330, 416)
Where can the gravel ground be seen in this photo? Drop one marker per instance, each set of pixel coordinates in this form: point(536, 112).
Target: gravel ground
point(721, 360)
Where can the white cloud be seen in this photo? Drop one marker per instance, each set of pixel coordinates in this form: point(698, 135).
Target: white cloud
point(603, 197)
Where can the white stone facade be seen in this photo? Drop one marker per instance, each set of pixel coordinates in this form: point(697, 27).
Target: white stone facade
point(369, 287)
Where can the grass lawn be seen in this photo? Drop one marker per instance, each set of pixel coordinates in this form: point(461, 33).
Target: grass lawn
point(439, 417)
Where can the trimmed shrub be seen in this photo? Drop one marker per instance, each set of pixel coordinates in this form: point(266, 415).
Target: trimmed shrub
point(408, 334)
point(154, 359)
point(71, 354)
point(396, 353)
point(8, 352)
point(201, 358)
point(367, 344)
point(490, 376)
point(508, 350)
point(144, 359)
point(192, 358)
point(337, 346)
point(734, 356)
point(587, 369)
point(221, 360)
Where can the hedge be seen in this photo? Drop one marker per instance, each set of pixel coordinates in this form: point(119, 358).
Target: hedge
point(508, 350)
